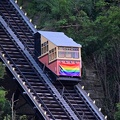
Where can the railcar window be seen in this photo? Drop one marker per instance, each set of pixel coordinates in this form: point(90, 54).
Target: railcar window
point(75, 55)
point(44, 47)
point(61, 48)
point(68, 52)
point(61, 54)
point(55, 53)
point(52, 54)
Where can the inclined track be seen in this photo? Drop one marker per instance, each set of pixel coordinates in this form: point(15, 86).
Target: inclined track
point(29, 75)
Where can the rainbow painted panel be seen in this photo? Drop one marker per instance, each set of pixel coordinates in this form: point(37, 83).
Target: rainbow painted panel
point(69, 69)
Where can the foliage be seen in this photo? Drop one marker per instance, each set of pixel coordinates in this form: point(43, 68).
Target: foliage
point(2, 99)
point(24, 117)
point(2, 70)
point(4, 104)
point(117, 114)
point(7, 117)
point(107, 65)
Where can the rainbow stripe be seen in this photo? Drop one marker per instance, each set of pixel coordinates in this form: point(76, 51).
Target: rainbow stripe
point(69, 69)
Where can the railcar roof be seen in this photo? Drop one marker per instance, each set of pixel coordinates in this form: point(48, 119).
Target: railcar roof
point(59, 39)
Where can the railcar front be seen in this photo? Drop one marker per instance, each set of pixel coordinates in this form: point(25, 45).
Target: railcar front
point(69, 63)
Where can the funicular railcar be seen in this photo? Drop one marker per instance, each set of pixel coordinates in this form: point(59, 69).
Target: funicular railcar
point(60, 54)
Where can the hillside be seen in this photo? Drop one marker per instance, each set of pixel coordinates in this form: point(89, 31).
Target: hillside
point(95, 25)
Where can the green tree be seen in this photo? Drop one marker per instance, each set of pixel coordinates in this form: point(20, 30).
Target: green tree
point(2, 98)
point(117, 113)
point(4, 104)
point(2, 70)
point(2, 92)
point(107, 52)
